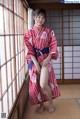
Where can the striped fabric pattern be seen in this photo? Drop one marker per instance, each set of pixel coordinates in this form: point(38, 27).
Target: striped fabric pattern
point(41, 38)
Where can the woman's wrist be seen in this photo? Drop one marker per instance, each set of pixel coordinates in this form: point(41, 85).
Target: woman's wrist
point(34, 59)
point(49, 57)
point(36, 63)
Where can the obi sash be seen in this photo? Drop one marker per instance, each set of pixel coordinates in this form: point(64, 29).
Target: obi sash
point(38, 52)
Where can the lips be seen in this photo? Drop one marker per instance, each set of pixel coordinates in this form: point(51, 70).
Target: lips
point(40, 22)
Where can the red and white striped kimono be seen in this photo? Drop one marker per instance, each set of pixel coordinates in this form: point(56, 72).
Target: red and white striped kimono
point(41, 43)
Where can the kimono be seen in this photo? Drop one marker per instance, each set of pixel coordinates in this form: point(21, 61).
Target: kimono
point(41, 43)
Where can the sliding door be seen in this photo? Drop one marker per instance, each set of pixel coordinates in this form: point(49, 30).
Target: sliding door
point(66, 25)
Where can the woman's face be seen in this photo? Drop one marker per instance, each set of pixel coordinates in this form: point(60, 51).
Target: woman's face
point(39, 20)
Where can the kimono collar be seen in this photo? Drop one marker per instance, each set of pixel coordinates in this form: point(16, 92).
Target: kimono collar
point(37, 29)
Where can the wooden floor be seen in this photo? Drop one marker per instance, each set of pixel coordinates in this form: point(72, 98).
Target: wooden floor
point(67, 105)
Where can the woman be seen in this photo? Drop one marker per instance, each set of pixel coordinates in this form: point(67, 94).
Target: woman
point(42, 49)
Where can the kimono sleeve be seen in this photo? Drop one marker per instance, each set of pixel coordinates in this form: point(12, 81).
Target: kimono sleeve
point(28, 43)
point(53, 45)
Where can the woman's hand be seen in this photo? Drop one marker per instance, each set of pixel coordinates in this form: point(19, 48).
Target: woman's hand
point(36, 63)
point(38, 67)
point(46, 61)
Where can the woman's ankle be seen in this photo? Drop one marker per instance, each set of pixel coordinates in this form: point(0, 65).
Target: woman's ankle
point(41, 108)
point(42, 104)
point(51, 107)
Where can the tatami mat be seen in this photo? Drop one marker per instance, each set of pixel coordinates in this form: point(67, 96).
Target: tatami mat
point(70, 90)
point(65, 109)
point(67, 105)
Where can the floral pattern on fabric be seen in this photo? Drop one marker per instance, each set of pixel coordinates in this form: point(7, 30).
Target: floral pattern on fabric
point(41, 39)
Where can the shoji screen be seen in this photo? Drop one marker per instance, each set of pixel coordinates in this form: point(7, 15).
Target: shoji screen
point(66, 25)
point(71, 42)
point(13, 22)
point(54, 20)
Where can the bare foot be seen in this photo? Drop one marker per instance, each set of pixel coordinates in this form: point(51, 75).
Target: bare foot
point(40, 109)
point(51, 108)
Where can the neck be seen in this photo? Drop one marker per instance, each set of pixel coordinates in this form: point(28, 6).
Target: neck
point(39, 27)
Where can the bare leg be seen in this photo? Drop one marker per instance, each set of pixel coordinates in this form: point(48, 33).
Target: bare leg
point(44, 85)
point(41, 108)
